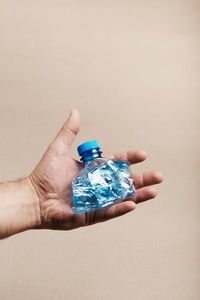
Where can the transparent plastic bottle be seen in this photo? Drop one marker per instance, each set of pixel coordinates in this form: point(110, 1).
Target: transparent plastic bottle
point(102, 182)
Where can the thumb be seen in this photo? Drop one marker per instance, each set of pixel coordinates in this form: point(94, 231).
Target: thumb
point(69, 130)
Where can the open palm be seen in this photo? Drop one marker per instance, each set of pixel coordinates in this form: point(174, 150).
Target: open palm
point(52, 179)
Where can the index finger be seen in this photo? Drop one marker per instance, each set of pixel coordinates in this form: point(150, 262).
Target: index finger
point(132, 156)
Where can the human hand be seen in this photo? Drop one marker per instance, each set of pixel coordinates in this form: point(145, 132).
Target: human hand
point(52, 179)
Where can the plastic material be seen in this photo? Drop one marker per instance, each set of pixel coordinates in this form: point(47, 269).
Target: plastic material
point(102, 182)
point(87, 146)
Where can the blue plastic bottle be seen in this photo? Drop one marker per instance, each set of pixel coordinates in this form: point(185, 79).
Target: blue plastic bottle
point(102, 182)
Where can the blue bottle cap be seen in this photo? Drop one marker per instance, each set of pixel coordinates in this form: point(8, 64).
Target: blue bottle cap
point(87, 146)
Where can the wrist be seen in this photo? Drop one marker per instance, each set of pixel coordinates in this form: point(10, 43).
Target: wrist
point(20, 209)
point(33, 203)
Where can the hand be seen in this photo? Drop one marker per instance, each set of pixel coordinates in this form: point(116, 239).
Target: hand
point(53, 176)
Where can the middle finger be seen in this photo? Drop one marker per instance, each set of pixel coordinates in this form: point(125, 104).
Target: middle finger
point(147, 178)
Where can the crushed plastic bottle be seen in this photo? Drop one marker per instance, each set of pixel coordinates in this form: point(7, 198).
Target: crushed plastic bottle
point(102, 182)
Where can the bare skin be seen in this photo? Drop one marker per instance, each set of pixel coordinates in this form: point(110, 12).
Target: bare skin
point(47, 190)
point(53, 176)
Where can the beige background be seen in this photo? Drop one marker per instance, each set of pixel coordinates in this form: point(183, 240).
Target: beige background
point(132, 69)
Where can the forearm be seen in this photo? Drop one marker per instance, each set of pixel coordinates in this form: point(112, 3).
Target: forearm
point(19, 207)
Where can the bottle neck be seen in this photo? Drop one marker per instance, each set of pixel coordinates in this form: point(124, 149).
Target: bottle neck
point(90, 155)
